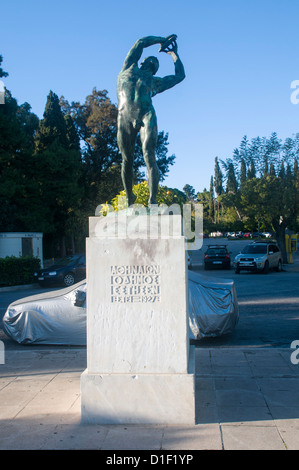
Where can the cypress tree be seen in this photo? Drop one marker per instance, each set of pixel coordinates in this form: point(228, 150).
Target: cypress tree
point(272, 170)
point(211, 199)
point(218, 178)
point(52, 127)
point(251, 172)
point(231, 185)
point(242, 172)
point(281, 173)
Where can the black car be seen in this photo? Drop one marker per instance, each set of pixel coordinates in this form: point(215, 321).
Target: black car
point(217, 256)
point(66, 271)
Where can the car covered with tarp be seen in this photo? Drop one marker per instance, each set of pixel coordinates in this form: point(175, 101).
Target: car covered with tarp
point(213, 306)
point(59, 317)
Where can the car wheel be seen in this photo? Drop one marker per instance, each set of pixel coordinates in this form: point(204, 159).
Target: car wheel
point(266, 267)
point(279, 266)
point(69, 279)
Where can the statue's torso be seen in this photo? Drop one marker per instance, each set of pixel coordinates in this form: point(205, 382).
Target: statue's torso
point(134, 91)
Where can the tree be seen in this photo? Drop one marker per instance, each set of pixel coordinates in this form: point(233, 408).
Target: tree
point(231, 184)
point(52, 127)
point(251, 172)
point(242, 172)
point(2, 73)
point(96, 123)
point(271, 201)
point(218, 178)
point(58, 159)
point(272, 170)
point(17, 128)
point(189, 192)
point(211, 200)
point(204, 198)
point(264, 190)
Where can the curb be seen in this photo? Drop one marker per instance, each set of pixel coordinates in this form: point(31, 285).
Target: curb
point(16, 288)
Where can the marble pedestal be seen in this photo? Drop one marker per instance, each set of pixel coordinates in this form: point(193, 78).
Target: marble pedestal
point(140, 368)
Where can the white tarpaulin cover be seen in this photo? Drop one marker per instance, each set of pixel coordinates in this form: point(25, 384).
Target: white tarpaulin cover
point(213, 306)
point(59, 317)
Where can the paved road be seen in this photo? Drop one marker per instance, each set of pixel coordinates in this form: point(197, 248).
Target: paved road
point(268, 304)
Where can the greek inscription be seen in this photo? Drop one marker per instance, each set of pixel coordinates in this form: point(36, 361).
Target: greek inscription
point(140, 283)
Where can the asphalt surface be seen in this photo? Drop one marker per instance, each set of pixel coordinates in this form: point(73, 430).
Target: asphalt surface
point(268, 303)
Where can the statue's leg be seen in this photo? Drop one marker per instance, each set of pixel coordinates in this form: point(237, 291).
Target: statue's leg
point(126, 138)
point(148, 135)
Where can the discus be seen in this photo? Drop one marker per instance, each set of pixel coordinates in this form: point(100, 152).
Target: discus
point(168, 42)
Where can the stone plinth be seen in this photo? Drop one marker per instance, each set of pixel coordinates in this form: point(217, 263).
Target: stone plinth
point(139, 368)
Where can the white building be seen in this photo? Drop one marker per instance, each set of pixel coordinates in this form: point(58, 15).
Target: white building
point(21, 244)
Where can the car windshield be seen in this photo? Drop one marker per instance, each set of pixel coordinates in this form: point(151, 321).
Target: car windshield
point(255, 249)
point(67, 260)
point(216, 251)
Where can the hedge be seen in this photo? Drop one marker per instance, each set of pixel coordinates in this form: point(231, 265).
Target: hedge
point(18, 271)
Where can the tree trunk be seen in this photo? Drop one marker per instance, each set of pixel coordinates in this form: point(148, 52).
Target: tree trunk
point(62, 246)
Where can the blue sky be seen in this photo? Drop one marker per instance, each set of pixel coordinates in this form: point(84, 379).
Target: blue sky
point(240, 58)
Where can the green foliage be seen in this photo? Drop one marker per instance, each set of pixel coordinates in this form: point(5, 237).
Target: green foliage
point(52, 128)
point(18, 271)
point(165, 195)
point(57, 172)
point(189, 192)
point(96, 124)
point(231, 185)
point(2, 73)
point(218, 178)
point(17, 127)
point(261, 187)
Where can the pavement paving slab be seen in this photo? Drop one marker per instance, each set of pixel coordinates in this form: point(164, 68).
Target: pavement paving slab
point(246, 399)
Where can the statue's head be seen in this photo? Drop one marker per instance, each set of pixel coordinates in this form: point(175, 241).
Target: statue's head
point(150, 64)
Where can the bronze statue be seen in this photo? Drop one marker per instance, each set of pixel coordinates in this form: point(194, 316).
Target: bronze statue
point(135, 88)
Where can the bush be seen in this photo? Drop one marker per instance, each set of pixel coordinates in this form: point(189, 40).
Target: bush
point(18, 271)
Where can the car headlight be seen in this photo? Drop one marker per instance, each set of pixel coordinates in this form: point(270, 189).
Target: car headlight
point(260, 262)
point(52, 273)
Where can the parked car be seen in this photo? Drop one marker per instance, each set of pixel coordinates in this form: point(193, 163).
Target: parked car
point(259, 257)
point(239, 234)
point(217, 256)
point(59, 317)
point(247, 235)
point(66, 271)
point(267, 234)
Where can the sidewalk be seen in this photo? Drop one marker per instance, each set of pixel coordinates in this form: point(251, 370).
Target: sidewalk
point(245, 399)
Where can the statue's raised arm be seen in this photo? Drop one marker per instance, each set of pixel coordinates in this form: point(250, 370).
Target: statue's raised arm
point(136, 50)
point(161, 84)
